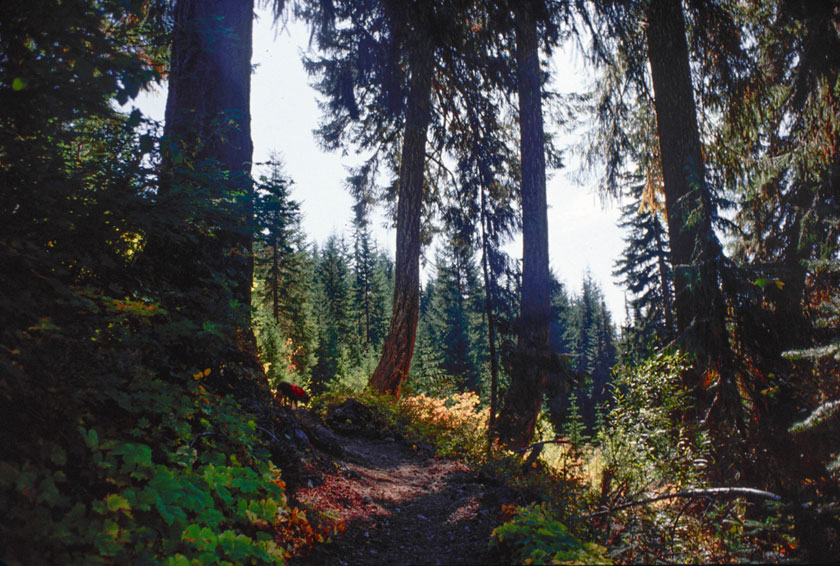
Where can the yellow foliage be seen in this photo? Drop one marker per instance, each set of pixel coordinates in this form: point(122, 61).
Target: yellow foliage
point(137, 308)
point(459, 411)
point(132, 243)
point(201, 374)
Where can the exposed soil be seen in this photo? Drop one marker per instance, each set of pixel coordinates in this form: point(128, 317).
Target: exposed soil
point(399, 504)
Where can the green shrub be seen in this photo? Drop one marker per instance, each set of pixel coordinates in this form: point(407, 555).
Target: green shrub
point(642, 445)
point(196, 489)
point(535, 535)
point(645, 449)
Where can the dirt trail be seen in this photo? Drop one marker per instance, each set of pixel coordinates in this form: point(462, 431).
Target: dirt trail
point(401, 506)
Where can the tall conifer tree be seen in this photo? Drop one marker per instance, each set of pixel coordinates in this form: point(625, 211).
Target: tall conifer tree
point(645, 269)
point(696, 254)
point(518, 417)
point(377, 75)
point(283, 268)
point(207, 152)
point(333, 313)
point(453, 319)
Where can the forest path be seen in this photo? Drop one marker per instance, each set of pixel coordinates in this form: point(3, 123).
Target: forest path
point(402, 506)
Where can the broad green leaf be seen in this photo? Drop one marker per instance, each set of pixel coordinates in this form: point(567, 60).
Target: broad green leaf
point(177, 560)
point(117, 502)
point(90, 437)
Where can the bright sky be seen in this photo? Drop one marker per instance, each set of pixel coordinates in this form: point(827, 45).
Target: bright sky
point(582, 234)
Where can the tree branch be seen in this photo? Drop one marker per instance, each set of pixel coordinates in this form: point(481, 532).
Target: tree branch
point(748, 492)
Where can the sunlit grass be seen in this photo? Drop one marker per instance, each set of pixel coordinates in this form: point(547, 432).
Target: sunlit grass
point(585, 464)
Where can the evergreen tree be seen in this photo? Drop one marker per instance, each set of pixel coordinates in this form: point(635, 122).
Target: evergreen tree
point(769, 123)
point(207, 153)
point(786, 224)
point(605, 358)
point(592, 342)
point(333, 313)
point(454, 323)
point(648, 51)
point(383, 295)
point(377, 75)
point(427, 373)
point(645, 271)
point(695, 250)
point(558, 384)
point(574, 427)
point(518, 417)
point(283, 275)
point(365, 74)
point(561, 311)
point(478, 201)
point(363, 281)
point(371, 287)
point(778, 152)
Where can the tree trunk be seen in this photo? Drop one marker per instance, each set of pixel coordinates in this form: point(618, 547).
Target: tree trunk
point(695, 250)
point(518, 417)
point(399, 344)
point(210, 80)
point(208, 112)
point(207, 134)
point(664, 280)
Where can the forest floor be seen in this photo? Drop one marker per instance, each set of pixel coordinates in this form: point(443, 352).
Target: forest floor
point(397, 504)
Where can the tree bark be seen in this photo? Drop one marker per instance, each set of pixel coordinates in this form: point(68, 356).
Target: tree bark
point(206, 164)
point(208, 116)
point(695, 249)
point(210, 80)
point(696, 254)
point(518, 417)
point(398, 348)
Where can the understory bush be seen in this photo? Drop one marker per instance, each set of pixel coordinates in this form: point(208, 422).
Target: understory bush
point(642, 446)
point(534, 534)
point(646, 450)
point(188, 482)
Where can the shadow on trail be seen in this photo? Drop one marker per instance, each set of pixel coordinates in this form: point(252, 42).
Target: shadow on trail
point(403, 507)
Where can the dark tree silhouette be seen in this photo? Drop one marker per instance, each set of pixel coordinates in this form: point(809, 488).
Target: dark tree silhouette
point(376, 71)
point(695, 250)
point(518, 416)
point(696, 254)
point(206, 162)
point(645, 271)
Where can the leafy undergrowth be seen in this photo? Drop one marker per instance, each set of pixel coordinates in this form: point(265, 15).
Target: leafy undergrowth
point(570, 498)
point(640, 453)
point(185, 478)
point(455, 426)
point(195, 489)
point(300, 535)
point(534, 534)
point(191, 482)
